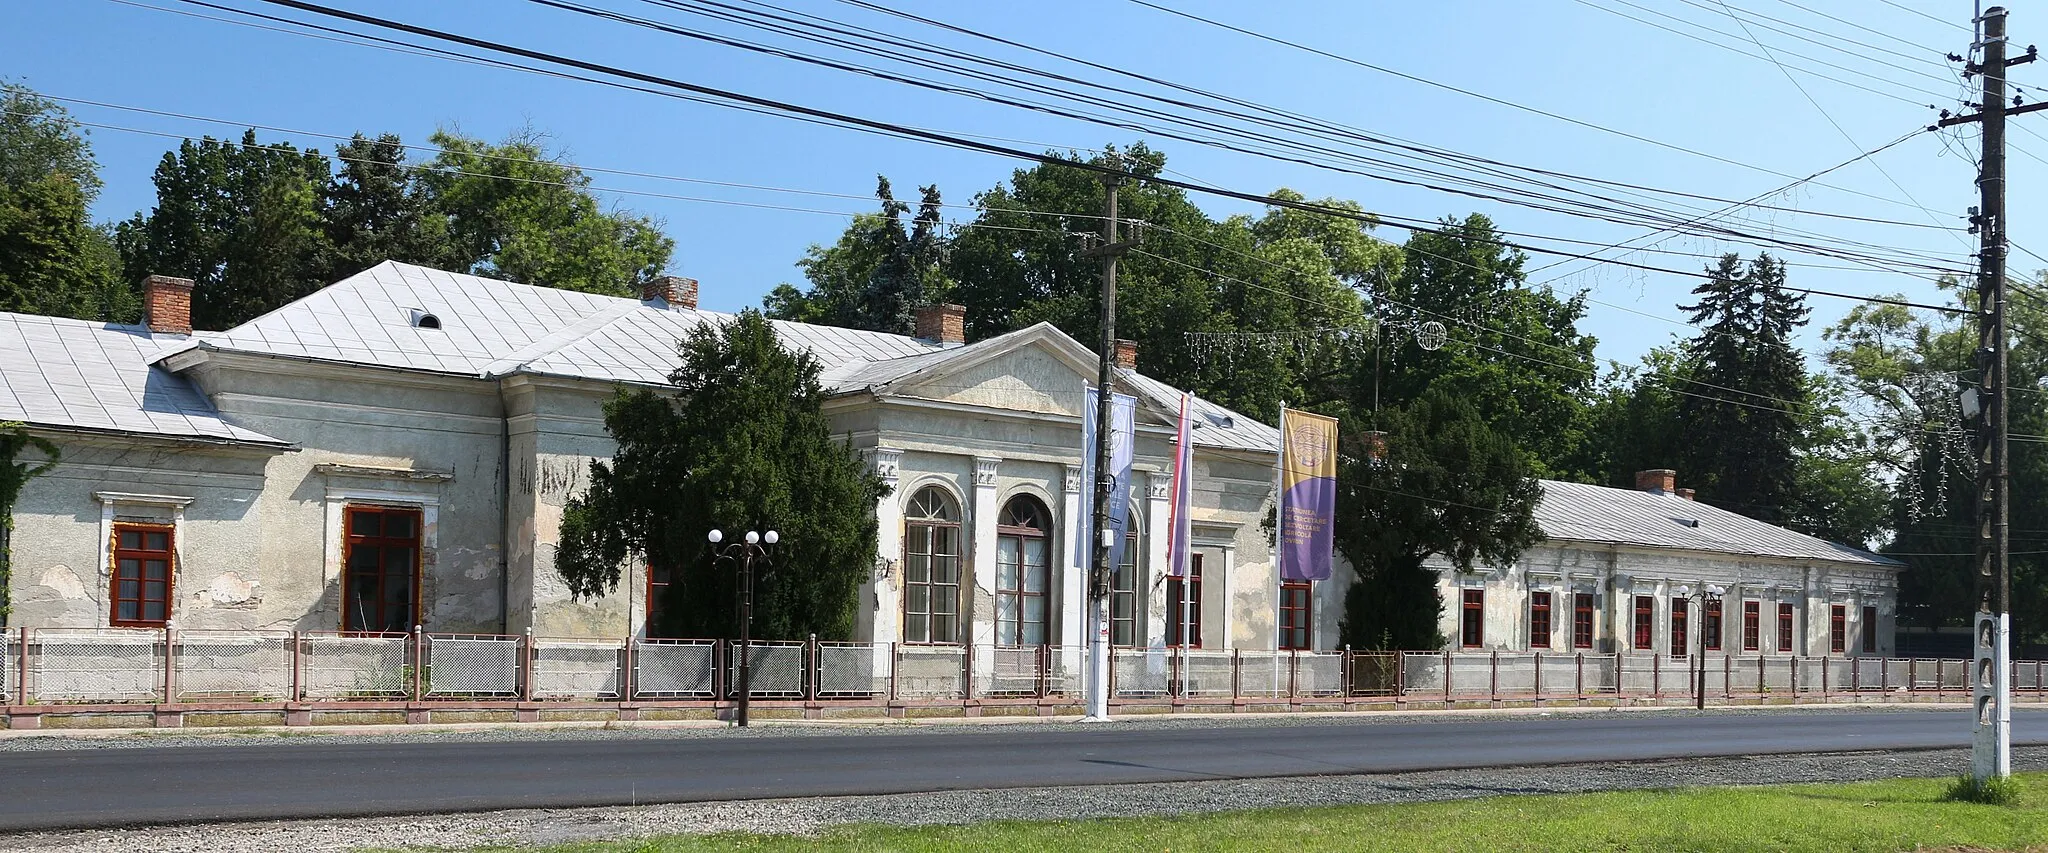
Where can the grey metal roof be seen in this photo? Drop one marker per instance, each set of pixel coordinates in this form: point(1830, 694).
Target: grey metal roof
point(492, 328)
point(1575, 511)
point(79, 375)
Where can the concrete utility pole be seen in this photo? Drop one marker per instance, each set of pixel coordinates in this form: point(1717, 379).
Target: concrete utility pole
point(1991, 638)
point(1105, 479)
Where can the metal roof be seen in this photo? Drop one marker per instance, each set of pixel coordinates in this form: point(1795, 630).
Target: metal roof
point(68, 374)
point(491, 328)
point(1575, 511)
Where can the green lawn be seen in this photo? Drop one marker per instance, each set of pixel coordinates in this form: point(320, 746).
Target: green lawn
point(1894, 815)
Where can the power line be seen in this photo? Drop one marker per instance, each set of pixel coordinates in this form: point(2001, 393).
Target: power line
point(1498, 101)
point(1943, 21)
point(697, 93)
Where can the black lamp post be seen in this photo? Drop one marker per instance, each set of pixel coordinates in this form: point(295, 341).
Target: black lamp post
point(744, 554)
point(1708, 592)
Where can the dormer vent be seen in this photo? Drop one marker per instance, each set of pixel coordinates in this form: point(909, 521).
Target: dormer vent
point(423, 320)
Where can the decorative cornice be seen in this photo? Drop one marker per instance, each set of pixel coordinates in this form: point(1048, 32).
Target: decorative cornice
point(379, 472)
point(985, 470)
point(148, 500)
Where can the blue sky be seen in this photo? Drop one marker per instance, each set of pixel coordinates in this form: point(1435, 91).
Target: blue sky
point(1563, 56)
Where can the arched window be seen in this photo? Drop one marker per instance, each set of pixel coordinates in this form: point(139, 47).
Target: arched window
point(1023, 573)
point(931, 568)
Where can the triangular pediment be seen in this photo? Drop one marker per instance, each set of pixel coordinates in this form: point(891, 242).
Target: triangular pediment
point(1038, 370)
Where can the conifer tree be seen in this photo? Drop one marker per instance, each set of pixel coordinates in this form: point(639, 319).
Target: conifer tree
point(1742, 420)
point(740, 443)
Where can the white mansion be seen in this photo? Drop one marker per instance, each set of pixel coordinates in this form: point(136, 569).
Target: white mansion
point(396, 449)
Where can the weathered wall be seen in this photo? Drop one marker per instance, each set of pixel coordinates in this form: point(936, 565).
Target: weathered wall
point(207, 493)
point(369, 436)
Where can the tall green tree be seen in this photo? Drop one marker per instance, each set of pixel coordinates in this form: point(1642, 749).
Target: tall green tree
point(375, 210)
point(517, 212)
point(53, 260)
point(1448, 485)
point(1514, 351)
point(739, 443)
point(1743, 428)
point(242, 219)
point(878, 272)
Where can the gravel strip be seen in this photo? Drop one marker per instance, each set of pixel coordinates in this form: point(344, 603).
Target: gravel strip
point(488, 732)
point(811, 815)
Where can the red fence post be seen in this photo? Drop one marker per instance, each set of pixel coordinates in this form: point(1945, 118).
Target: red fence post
point(1536, 677)
point(1656, 676)
point(419, 661)
point(1493, 677)
point(21, 674)
point(298, 669)
point(1400, 676)
point(895, 663)
point(1447, 676)
point(1345, 679)
point(526, 666)
point(1727, 677)
point(1579, 678)
point(967, 674)
point(1293, 669)
point(1824, 667)
point(817, 673)
point(1236, 673)
point(1617, 675)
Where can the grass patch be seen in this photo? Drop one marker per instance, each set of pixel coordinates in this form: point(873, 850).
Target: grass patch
point(1896, 815)
point(1994, 792)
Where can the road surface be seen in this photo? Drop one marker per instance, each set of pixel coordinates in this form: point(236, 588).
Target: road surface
point(146, 785)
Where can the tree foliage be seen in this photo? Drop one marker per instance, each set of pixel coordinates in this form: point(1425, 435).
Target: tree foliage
point(1744, 432)
point(738, 444)
point(878, 272)
point(259, 225)
point(53, 260)
point(1449, 486)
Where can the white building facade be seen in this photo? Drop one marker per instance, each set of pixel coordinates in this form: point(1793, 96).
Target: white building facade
point(395, 451)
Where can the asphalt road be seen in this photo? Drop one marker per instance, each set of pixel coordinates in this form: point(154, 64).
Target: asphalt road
point(102, 787)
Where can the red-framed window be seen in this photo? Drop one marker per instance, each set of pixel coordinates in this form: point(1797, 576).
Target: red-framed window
point(1646, 622)
point(1710, 622)
point(1194, 614)
point(1294, 616)
point(1752, 625)
point(1023, 572)
point(1472, 619)
point(931, 568)
point(1838, 628)
point(1869, 630)
point(381, 569)
point(658, 579)
point(1582, 620)
point(1680, 609)
point(1785, 629)
point(144, 556)
point(1539, 620)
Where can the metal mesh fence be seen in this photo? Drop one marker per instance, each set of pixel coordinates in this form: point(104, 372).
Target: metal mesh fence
point(777, 669)
point(930, 672)
point(248, 666)
point(1139, 673)
point(1007, 671)
point(1515, 675)
point(852, 670)
point(673, 668)
point(1374, 673)
point(1206, 674)
point(1423, 672)
point(96, 665)
point(1262, 674)
point(471, 666)
point(1066, 671)
point(1318, 673)
point(569, 669)
point(356, 667)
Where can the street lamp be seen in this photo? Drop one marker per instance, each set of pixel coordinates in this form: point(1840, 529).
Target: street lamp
point(743, 554)
point(1707, 592)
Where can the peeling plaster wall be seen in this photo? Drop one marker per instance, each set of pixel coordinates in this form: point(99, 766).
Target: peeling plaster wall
point(557, 429)
point(368, 436)
point(61, 562)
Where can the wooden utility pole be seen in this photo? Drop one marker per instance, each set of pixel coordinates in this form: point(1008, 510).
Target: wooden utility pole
point(1105, 479)
point(1991, 638)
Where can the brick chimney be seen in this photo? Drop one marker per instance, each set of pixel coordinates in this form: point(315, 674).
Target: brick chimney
point(1661, 481)
point(943, 324)
point(1685, 493)
point(1127, 354)
point(167, 304)
point(676, 291)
